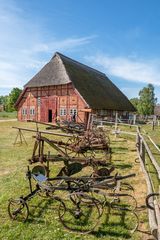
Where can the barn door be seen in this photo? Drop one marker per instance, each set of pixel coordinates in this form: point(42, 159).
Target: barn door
point(50, 115)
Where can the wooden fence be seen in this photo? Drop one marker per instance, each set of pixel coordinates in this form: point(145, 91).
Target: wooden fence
point(143, 150)
point(154, 214)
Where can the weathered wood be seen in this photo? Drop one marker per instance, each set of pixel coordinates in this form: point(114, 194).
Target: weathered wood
point(154, 143)
point(143, 153)
point(151, 214)
point(153, 160)
point(123, 132)
point(45, 132)
point(157, 211)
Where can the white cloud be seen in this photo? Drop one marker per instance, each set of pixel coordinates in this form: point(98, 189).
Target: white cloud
point(23, 47)
point(64, 44)
point(130, 69)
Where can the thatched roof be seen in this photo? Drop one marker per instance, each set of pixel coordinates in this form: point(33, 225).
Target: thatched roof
point(95, 87)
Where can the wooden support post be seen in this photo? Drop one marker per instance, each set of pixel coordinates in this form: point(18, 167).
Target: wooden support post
point(141, 143)
point(143, 153)
point(16, 137)
point(116, 121)
point(48, 159)
point(154, 122)
point(116, 124)
point(137, 141)
point(153, 125)
point(21, 137)
point(42, 151)
point(134, 119)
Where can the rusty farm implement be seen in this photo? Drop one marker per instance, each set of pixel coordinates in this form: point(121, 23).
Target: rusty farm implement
point(79, 207)
point(84, 185)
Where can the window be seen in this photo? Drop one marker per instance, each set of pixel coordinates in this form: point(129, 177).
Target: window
point(63, 112)
point(32, 111)
point(73, 111)
point(24, 111)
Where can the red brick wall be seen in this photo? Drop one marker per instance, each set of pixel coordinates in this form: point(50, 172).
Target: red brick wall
point(43, 99)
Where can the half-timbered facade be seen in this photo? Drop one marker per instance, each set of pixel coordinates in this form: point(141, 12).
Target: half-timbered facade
point(65, 87)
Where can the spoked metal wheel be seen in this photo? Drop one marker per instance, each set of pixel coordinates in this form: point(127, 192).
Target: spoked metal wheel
point(77, 215)
point(77, 147)
point(71, 145)
point(123, 201)
point(18, 209)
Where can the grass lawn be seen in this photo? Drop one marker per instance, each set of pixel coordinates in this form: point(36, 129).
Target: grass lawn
point(146, 131)
point(43, 221)
point(155, 135)
point(8, 115)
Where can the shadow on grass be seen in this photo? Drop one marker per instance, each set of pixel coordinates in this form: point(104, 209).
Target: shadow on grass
point(113, 229)
point(123, 166)
point(37, 211)
point(119, 149)
point(114, 223)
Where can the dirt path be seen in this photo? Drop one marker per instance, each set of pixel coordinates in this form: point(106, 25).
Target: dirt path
point(8, 120)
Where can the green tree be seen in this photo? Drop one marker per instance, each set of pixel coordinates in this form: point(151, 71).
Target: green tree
point(135, 102)
point(147, 100)
point(11, 99)
point(3, 99)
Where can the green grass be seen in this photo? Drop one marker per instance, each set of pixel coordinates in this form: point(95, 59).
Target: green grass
point(8, 115)
point(155, 135)
point(43, 221)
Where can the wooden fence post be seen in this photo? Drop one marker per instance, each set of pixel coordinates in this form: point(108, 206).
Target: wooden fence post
point(134, 119)
point(143, 152)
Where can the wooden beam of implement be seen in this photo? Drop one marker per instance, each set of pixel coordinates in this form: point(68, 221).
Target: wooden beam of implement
point(44, 132)
point(56, 126)
point(44, 123)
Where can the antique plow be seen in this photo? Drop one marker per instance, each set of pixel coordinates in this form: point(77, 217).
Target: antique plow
point(76, 146)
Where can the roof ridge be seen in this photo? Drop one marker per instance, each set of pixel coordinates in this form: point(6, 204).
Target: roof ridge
point(77, 62)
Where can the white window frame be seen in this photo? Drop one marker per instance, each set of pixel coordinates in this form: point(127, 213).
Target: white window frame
point(73, 111)
point(24, 111)
point(32, 111)
point(63, 111)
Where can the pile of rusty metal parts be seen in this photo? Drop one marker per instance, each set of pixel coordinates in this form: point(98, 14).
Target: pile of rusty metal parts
point(83, 186)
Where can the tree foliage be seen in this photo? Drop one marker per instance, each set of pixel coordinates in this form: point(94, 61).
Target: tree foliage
point(9, 101)
point(135, 102)
point(147, 100)
point(3, 100)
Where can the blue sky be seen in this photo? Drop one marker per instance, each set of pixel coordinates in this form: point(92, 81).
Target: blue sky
point(118, 37)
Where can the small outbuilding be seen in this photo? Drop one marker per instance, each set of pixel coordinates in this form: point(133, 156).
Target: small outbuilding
point(64, 88)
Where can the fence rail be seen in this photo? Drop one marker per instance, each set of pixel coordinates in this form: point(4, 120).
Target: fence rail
point(154, 214)
point(143, 150)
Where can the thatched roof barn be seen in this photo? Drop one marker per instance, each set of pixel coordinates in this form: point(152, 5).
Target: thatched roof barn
point(65, 78)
